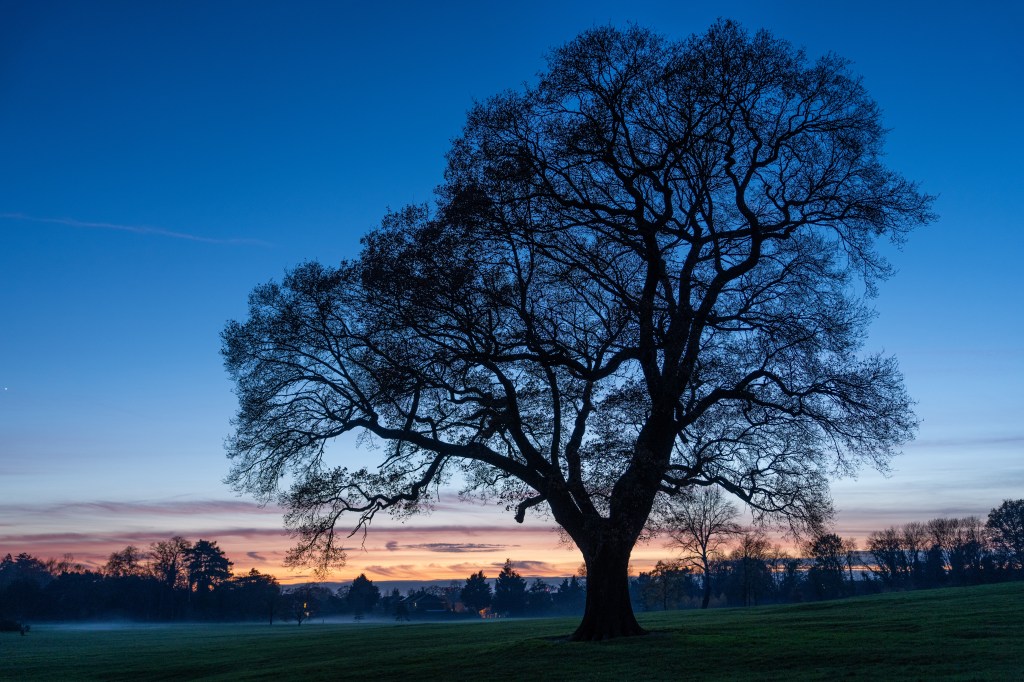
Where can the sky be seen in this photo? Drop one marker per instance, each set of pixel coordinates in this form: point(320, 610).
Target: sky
point(160, 159)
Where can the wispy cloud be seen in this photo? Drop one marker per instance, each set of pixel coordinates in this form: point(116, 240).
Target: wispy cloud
point(463, 530)
point(136, 229)
point(464, 567)
point(447, 547)
point(92, 549)
point(969, 441)
point(532, 567)
point(132, 537)
point(411, 571)
point(131, 509)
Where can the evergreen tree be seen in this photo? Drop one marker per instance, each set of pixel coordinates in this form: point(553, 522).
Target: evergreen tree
point(509, 591)
point(476, 594)
point(208, 568)
point(538, 598)
point(363, 595)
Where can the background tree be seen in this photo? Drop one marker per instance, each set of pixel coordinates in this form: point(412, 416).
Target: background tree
point(970, 557)
point(22, 580)
point(208, 568)
point(571, 595)
point(297, 605)
point(476, 594)
point(790, 580)
point(699, 524)
point(169, 561)
point(538, 598)
point(450, 594)
point(915, 540)
point(751, 580)
point(890, 555)
point(1005, 528)
point(363, 595)
point(644, 274)
point(667, 586)
point(125, 563)
point(509, 591)
point(394, 604)
point(169, 566)
point(826, 576)
point(958, 549)
point(254, 596)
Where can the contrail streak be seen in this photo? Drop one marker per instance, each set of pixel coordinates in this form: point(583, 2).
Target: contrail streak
point(137, 229)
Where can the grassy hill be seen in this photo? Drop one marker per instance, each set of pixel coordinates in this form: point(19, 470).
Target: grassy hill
point(969, 633)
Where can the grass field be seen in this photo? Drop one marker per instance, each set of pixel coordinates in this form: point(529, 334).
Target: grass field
point(970, 633)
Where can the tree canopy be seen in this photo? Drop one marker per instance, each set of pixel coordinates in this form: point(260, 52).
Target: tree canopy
point(509, 591)
point(1005, 526)
point(363, 594)
point(643, 274)
point(476, 594)
point(207, 566)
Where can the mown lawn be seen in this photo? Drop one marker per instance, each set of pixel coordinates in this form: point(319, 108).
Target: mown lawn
point(970, 633)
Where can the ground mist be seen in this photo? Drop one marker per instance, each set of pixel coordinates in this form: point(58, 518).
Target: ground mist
point(956, 633)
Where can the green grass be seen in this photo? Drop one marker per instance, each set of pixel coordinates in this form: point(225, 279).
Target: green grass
point(970, 634)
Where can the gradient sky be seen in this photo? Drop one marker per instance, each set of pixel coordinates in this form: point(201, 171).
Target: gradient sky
point(159, 159)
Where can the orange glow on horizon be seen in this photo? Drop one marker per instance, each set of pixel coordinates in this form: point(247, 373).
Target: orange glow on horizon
point(456, 541)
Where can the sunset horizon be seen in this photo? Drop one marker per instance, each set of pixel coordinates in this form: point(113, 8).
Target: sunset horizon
point(419, 551)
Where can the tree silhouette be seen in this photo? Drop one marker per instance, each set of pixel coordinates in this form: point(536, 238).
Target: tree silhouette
point(169, 561)
point(22, 579)
point(829, 552)
point(1005, 527)
point(255, 595)
point(208, 568)
point(751, 576)
point(509, 591)
point(699, 524)
point(476, 594)
point(124, 563)
point(298, 605)
point(644, 274)
point(957, 545)
point(890, 555)
point(571, 595)
point(363, 595)
point(538, 597)
point(665, 587)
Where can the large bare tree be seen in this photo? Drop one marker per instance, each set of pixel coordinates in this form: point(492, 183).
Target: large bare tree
point(644, 274)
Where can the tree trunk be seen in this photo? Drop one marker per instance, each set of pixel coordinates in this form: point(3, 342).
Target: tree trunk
point(609, 611)
point(707, 589)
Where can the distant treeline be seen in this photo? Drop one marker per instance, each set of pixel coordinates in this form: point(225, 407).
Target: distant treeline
point(175, 580)
point(943, 552)
point(179, 580)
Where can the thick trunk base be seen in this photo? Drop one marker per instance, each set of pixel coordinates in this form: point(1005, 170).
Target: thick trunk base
point(599, 627)
point(609, 611)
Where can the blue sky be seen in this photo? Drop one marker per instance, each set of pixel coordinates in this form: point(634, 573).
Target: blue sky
point(159, 159)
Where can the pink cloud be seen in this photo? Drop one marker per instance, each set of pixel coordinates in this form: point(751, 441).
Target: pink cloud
point(169, 507)
point(448, 547)
point(531, 567)
point(396, 572)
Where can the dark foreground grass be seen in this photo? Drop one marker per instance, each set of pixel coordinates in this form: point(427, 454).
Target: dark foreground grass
point(972, 633)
